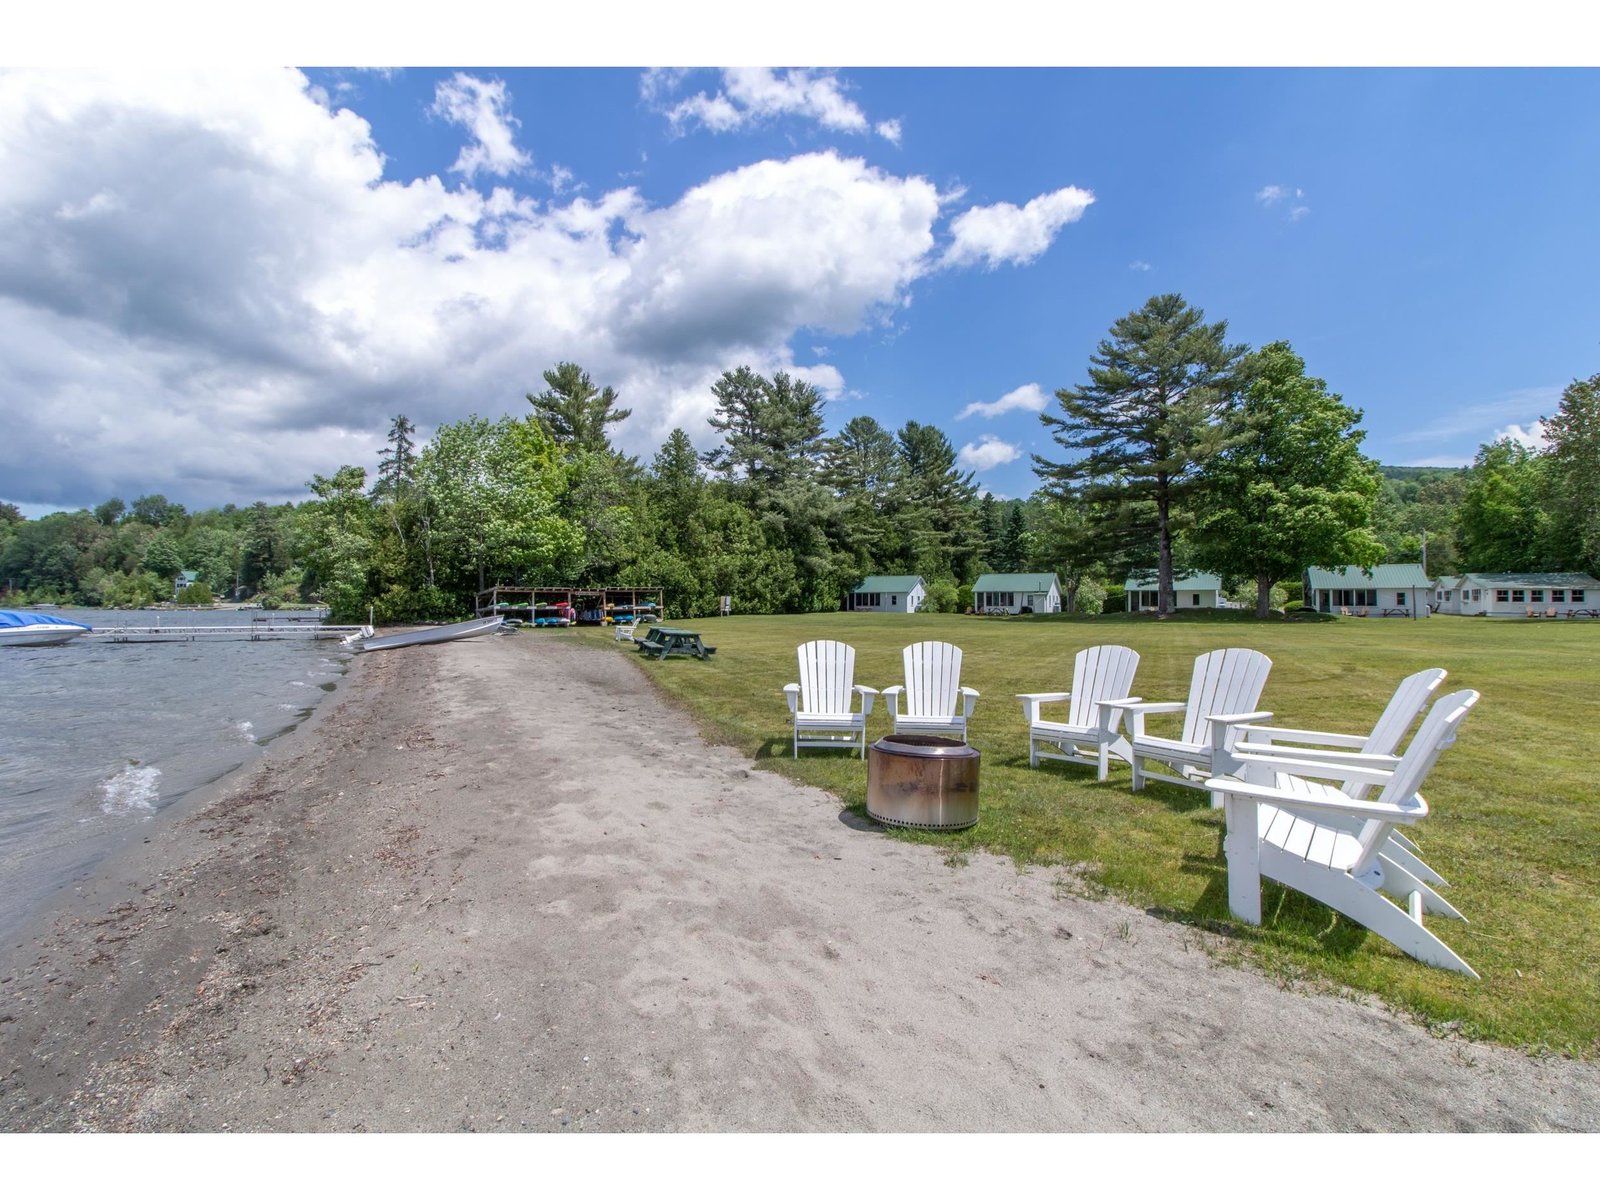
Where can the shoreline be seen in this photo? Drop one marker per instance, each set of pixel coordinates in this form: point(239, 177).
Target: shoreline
point(497, 885)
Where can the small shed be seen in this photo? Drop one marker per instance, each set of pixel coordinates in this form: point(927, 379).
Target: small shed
point(1040, 593)
point(888, 593)
point(1389, 590)
point(1519, 594)
point(1190, 591)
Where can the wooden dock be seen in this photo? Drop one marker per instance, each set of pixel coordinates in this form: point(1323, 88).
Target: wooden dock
point(257, 631)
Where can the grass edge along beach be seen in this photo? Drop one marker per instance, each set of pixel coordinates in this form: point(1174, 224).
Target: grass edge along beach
point(1514, 824)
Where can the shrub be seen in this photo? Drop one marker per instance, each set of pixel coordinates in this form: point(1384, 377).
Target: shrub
point(1091, 598)
point(943, 596)
point(197, 593)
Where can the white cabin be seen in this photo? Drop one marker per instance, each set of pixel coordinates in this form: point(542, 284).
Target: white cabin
point(1040, 593)
point(1190, 591)
point(1518, 594)
point(1388, 590)
point(888, 593)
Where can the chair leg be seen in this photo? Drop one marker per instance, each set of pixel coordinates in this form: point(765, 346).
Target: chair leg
point(1105, 762)
point(1241, 846)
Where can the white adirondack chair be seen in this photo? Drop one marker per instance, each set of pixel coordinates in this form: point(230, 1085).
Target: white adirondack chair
point(820, 704)
point(1092, 731)
point(1283, 833)
point(1376, 749)
point(932, 692)
point(1269, 751)
point(1222, 694)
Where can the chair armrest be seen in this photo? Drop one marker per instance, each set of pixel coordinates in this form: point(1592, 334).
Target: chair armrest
point(892, 695)
point(1136, 711)
point(1222, 728)
point(1365, 809)
point(1237, 718)
point(1345, 772)
point(1310, 755)
point(1108, 713)
point(868, 696)
point(970, 695)
point(1032, 700)
point(791, 692)
point(1271, 733)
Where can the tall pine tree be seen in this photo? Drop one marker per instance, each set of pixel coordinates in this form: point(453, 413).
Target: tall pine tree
point(1148, 418)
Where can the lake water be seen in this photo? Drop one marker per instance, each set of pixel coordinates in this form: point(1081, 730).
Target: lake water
point(96, 738)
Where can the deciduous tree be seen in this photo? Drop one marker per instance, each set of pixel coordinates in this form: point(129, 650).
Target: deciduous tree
point(1291, 490)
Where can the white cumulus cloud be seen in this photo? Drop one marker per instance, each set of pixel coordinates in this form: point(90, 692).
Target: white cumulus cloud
point(987, 452)
point(1029, 397)
point(1532, 436)
point(481, 106)
point(1003, 233)
point(753, 95)
point(208, 287)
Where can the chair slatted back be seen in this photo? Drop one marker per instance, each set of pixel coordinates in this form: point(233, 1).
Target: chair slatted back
point(827, 672)
point(1099, 673)
point(1224, 681)
point(1404, 789)
point(1409, 699)
point(933, 679)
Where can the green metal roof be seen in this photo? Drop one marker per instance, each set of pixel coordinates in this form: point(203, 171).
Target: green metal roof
point(1386, 575)
point(889, 583)
point(1188, 583)
point(1016, 583)
point(1536, 578)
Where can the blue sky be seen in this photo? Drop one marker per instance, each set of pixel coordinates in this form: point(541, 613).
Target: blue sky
point(217, 278)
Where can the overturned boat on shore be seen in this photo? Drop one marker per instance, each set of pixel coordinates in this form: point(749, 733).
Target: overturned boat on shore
point(37, 629)
point(436, 633)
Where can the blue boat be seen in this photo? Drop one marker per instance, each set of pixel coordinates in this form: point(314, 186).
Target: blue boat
point(37, 629)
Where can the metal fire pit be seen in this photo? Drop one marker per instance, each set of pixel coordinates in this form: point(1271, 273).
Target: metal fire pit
point(920, 782)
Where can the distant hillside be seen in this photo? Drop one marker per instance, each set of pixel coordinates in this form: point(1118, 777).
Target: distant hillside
point(1417, 474)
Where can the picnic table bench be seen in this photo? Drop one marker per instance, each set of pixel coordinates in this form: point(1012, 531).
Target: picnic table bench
point(659, 642)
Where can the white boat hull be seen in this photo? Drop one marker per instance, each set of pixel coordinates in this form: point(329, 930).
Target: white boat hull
point(437, 633)
point(39, 635)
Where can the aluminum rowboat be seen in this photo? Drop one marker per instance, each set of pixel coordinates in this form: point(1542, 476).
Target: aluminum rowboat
point(436, 633)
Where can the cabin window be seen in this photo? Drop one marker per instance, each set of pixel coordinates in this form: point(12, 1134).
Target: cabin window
point(1477, 593)
point(1537, 595)
point(1358, 597)
point(867, 599)
point(1577, 595)
point(1519, 596)
point(1194, 599)
point(1558, 595)
point(1502, 596)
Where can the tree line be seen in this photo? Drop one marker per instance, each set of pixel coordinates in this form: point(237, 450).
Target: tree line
point(1180, 452)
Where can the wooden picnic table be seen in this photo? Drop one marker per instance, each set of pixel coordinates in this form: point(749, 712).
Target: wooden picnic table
point(660, 641)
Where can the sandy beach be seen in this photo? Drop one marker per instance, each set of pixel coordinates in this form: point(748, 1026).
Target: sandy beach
point(502, 885)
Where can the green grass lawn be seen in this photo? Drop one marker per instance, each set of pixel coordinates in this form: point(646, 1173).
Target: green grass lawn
point(1514, 827)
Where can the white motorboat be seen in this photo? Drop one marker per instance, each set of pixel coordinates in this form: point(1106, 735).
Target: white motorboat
point(37, 629)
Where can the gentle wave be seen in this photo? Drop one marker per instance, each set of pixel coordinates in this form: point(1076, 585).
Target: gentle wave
point(132, 789)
